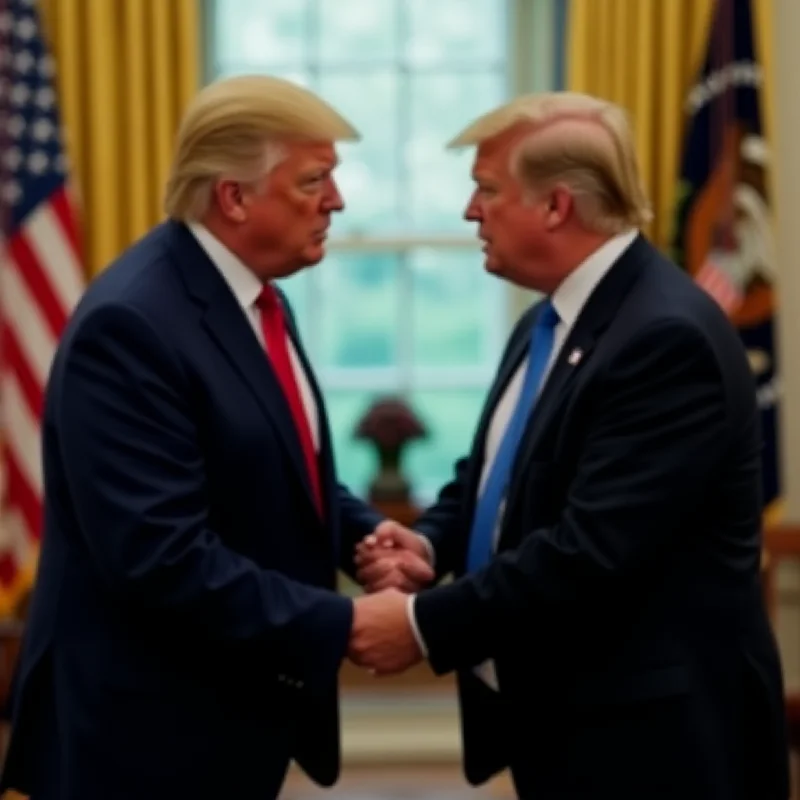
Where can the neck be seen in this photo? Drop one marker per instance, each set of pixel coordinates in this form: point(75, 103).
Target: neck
point(223, 234)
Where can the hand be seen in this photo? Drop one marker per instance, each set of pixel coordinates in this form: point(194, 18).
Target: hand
point(393, 557)
point(381, 638)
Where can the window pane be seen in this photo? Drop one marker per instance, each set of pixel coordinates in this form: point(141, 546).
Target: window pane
point(451, 417)
point(457, 309)
point(357, 31)
point(255, 32)
point(442, 30)
point(357, 305)
point(367, 175)
point(355, 461)
point(441, 105)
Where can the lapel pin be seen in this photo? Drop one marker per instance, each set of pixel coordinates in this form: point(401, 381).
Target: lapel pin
point(574, 358)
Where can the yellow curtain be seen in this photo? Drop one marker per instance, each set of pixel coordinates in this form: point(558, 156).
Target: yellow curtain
point(125, 71)
point(644, 55)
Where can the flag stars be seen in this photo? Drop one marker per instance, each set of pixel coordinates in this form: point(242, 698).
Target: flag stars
point(11, 192)
point(16, 126)
point(43, 129)
point(20, 94)
point(38, 162)
point(12, 159)
point(25, 29)
point(45, 98)
point(24, 62)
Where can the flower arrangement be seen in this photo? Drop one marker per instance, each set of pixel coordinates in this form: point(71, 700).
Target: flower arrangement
point(390, 424)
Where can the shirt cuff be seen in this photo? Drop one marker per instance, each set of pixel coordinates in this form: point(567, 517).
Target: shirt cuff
point(429, 547)
point(412, 620)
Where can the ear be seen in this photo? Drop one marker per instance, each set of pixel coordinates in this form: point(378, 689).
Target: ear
point(230, 199)
point(559, 207)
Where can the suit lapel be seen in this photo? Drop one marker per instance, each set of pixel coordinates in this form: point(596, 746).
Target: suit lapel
point(595, 317)
point(512, 359)
point(327, 471)
point(227, 326)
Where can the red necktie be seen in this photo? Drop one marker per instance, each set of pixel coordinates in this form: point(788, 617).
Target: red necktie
point(273, 326)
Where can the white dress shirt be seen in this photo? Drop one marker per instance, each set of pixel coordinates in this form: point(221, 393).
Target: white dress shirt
point(568, 300)
point(246, 288)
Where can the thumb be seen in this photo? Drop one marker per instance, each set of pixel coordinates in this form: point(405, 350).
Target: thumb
point(388, 533)
point(391, 533)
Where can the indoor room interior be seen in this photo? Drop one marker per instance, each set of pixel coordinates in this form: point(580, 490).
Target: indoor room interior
point(401, 322)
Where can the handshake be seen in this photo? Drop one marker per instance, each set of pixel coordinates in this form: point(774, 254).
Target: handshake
point(392, 564)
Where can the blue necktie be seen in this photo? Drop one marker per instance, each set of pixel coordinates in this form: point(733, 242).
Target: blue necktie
point(488, 506)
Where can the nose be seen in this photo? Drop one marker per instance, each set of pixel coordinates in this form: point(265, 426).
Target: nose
point(332, 199)
point(472, 212)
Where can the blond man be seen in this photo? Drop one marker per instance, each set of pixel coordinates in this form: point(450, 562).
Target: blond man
point(605, 621)
point(185, 634)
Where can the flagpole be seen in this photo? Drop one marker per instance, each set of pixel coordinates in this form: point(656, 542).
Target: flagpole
point(5, 227)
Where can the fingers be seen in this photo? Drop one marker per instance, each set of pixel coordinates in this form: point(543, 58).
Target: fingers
point(398, 569)
point(366, 556)
point(373, 571)
point(416, 570)
point(390, 533)
point(394, 579)
point(388, 536)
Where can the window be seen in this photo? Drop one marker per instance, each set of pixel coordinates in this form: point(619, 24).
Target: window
point(401, 305)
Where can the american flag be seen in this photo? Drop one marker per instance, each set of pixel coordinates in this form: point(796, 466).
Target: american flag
point(716, 281)
point(41, 277)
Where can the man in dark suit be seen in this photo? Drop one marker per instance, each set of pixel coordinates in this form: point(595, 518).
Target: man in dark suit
point(185, 634)
point(605, 619)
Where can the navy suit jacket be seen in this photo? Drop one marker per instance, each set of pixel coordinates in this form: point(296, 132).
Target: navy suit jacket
point(185, 635)
point(623, 609)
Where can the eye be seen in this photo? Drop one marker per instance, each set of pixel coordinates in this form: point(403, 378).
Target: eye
point(312, 183)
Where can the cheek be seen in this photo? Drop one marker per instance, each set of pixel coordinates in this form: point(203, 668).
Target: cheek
point(520, 232)
point(305, 206)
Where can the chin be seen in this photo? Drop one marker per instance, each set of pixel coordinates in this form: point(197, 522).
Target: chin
point(313, 255)
point(493, 267)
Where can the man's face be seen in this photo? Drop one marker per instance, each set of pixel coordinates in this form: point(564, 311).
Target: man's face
point(288, 216)
point(512, 226)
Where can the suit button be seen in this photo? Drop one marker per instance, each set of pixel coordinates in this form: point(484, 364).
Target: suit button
point(282, 678)
point(299, 684)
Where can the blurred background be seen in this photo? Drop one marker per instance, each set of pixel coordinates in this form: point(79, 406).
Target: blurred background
point(402, 324)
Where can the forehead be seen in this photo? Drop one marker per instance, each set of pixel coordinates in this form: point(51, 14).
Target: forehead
point(306, 153)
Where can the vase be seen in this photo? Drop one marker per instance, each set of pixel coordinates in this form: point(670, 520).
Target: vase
point(389, 484)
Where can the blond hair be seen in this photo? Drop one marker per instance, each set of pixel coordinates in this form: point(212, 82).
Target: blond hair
point(234, 128)
point(562, 146)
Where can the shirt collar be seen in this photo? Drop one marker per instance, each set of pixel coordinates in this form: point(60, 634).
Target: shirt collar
point(573, 293)
point(246, 287)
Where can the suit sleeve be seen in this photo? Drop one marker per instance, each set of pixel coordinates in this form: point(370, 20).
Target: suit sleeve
point(357, 519)
point(441, 524)
point(658, 429)
point(137, 480)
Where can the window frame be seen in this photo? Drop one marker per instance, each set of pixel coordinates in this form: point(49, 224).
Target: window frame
point(536, 63)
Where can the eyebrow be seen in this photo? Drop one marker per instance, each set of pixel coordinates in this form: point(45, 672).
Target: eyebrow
point(326, 165)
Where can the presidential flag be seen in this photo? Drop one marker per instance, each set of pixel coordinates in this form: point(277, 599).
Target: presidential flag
point(724, 233)
point(41, 278)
